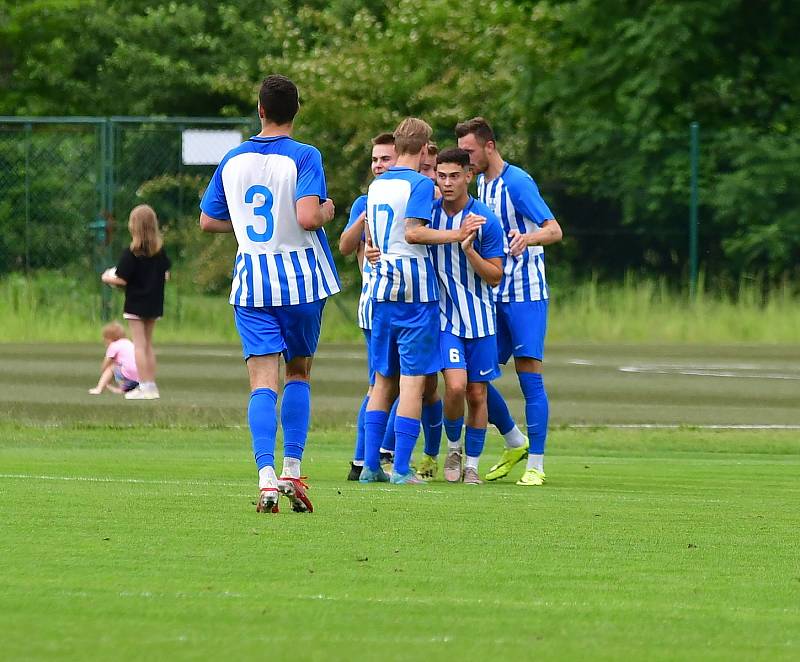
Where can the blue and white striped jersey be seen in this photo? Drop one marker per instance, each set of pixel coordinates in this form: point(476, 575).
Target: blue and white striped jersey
point(256, 187)
point(405, 271)
point(466, 302)
point(364, 300)
point(515, 199)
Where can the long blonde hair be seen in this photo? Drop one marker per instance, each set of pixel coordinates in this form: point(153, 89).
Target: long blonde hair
point(145, 236)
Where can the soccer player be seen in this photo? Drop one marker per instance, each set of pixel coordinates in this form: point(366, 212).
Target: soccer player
point(352, 241)
point(467, 272)
point(405, 315)
point(521, 296)
point(271, 192)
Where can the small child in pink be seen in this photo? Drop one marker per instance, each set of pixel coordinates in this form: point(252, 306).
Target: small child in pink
point(119, 362)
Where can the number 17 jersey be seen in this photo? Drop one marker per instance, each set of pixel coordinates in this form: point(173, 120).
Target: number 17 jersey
point(256, 187)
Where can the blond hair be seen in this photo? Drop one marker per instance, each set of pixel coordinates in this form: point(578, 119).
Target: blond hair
point(411, 135)
point(114, 331)
point(145, 236)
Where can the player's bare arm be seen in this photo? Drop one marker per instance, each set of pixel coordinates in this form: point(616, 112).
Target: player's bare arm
point(418, 232)
point(350, 241)
point(208, 224)
point(490, 269)
point(549, 233)
point(313, 214)
point(109, 277)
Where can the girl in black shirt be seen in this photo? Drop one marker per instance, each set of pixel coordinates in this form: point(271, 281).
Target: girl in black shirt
point(142, 270)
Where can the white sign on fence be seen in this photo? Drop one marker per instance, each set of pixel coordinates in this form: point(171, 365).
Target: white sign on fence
point(206, 146)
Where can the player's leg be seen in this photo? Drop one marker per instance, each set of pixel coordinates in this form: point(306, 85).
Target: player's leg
point(516, 445)
point(262, 341)
point(417, 327)
point(482, 367)
point(383, 352)
point(528, 363)
point(431, 420)
point(300, 327)
point(455, 389)
point(454, 362)
point(358, 453)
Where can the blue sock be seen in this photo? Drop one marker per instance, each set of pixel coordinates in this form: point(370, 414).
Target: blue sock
point(432, 427)
point(537, 410)
point(374, 429)
point(453, 427)
point(358, 454)
point(263, 425)
point(499, 416)
point(388, 438)
point(474, 439)
point(295, 412)
point(406, 431)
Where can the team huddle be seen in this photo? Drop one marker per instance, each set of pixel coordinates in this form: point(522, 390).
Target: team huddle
point(450, 284)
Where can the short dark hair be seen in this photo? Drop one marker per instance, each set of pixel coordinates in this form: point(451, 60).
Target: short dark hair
point(279, 99)
point(453, 155)
point(385, 138)
point(477, 126)
point(433, 149)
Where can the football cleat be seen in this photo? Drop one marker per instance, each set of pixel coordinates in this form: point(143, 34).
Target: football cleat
point(471, 477)
point(428, 468)
point(452, 466)
point(370, 476)
point(507, 461)
point(294, 489)
point(267, 500)
point(406, 479)
point(355, 471)
point(532, 477)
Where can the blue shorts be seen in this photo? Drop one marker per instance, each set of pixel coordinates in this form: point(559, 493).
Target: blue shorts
point(405, 338)
point(478, 356)
point(293, 330)
point(370, 369)
point(521, 327)
point(122, 381)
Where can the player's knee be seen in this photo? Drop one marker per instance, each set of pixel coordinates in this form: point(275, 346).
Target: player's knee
point(456, 386)
point(476, 394)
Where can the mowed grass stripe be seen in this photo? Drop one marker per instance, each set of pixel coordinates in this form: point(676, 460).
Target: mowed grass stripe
point(625, 552)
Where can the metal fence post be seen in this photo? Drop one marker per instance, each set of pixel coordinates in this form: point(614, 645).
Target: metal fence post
point(694, 151)
point(28, 132)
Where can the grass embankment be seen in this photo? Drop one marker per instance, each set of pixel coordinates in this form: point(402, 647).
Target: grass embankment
point(48, 307)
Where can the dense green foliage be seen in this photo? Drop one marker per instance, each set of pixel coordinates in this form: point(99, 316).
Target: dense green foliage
point(593, 97)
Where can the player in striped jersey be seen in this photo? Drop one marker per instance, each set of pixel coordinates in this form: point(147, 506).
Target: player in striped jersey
point(352, 241)
point(405, 324)
point(521, 296)
point(467, 272)
point(271, 193)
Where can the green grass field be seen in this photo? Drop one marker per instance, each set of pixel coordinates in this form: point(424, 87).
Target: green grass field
point(128, 529)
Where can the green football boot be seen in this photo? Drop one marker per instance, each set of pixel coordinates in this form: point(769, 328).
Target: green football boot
point(532, 477)
point(507, 461)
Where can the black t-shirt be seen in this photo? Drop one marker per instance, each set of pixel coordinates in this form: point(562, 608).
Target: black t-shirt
point(144, 294)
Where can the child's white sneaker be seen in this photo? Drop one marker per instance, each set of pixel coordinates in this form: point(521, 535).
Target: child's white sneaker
point(143, 392)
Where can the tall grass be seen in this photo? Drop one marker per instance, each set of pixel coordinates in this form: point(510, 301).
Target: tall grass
point(50, 307)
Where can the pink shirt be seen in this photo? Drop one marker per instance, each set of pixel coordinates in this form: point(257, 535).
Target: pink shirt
point(121, 352)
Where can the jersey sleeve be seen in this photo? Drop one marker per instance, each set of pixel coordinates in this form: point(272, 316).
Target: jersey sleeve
point(420, 202)
point(112, 350)
point(491, 237)
point(126, 265)
point(359, 207)
point(166, 261)
point(310, 175)
point(214, 203)
point(526, 198)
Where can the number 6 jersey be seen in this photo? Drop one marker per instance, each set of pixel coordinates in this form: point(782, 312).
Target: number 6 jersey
point(255, 187)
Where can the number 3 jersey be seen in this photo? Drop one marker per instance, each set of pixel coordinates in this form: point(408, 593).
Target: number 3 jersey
point(256, 187)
